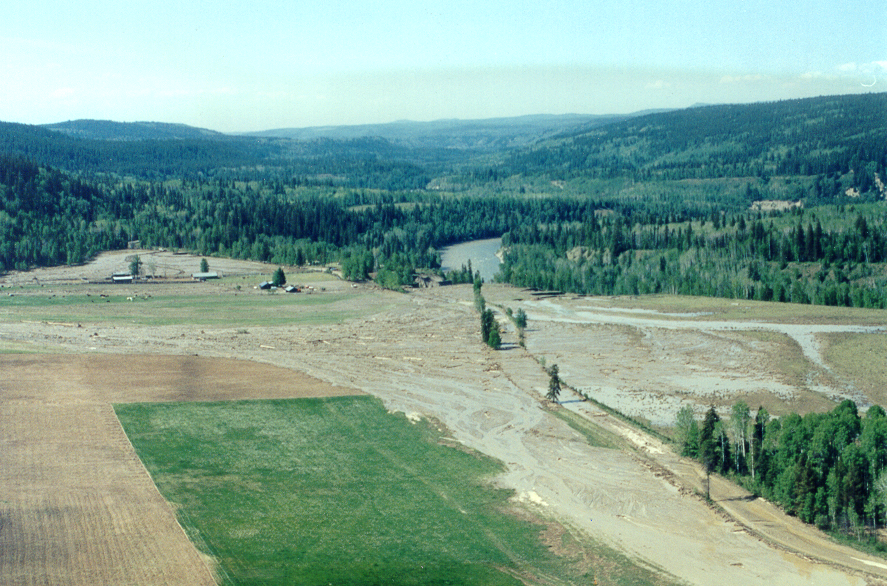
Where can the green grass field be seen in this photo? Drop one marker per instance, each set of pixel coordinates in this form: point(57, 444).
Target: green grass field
point(338, 491)
point(331, 491)
point(205, 307)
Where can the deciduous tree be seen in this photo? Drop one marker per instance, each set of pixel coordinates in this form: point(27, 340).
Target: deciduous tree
point(739, 420)
point(687, 432)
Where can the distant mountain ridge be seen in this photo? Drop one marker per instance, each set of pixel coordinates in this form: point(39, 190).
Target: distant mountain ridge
point(484, 134)
point(127, 131)
point(824, 136)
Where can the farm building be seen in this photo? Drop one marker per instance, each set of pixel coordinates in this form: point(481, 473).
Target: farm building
point(204, 276)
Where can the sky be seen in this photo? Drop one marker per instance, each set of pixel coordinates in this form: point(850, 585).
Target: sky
point(266, 64)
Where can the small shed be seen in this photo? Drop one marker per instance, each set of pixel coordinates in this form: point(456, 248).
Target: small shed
point(265, 285)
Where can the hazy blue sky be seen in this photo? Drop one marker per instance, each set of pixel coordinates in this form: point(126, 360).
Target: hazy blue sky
point(236, 66)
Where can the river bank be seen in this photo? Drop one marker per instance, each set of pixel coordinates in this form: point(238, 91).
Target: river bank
point(481, 253)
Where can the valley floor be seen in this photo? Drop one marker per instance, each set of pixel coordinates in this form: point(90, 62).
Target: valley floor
point(420, 353)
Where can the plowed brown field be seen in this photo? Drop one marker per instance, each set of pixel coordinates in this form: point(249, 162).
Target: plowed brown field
point(76, 505)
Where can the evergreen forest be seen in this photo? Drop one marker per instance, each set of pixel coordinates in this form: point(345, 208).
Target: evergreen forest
point(829, 469)
point(781, 202)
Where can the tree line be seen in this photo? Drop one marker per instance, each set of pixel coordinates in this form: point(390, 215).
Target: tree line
point(52, 217)
point(827, 255)
point(828, 469)
point(830, 255)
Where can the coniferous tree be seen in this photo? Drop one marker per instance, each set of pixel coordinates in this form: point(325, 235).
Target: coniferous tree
point(554, 384)
point(494, 339)
point(520, 319)
point(279, 278)
point(709, 446)
point(488, 325)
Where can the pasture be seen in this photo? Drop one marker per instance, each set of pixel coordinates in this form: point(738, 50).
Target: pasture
point(201, 304)
point(337, 491)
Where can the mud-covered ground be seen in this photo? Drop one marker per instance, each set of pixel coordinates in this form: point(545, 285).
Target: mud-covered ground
point(420, 353)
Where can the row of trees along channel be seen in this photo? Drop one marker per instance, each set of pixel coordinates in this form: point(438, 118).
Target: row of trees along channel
point(829, 469)
point(489, 327)
point(490, 331)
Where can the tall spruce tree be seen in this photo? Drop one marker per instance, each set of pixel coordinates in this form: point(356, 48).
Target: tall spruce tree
point(554, 384)
point(709, 451)
point(279, 278)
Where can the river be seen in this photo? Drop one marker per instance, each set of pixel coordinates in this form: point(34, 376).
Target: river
point(481, 253)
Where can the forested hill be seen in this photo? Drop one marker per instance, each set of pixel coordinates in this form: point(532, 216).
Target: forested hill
point(366, 162)
point(148, 159)
point(841, 141)
point(108, 130)
point(839, 134)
